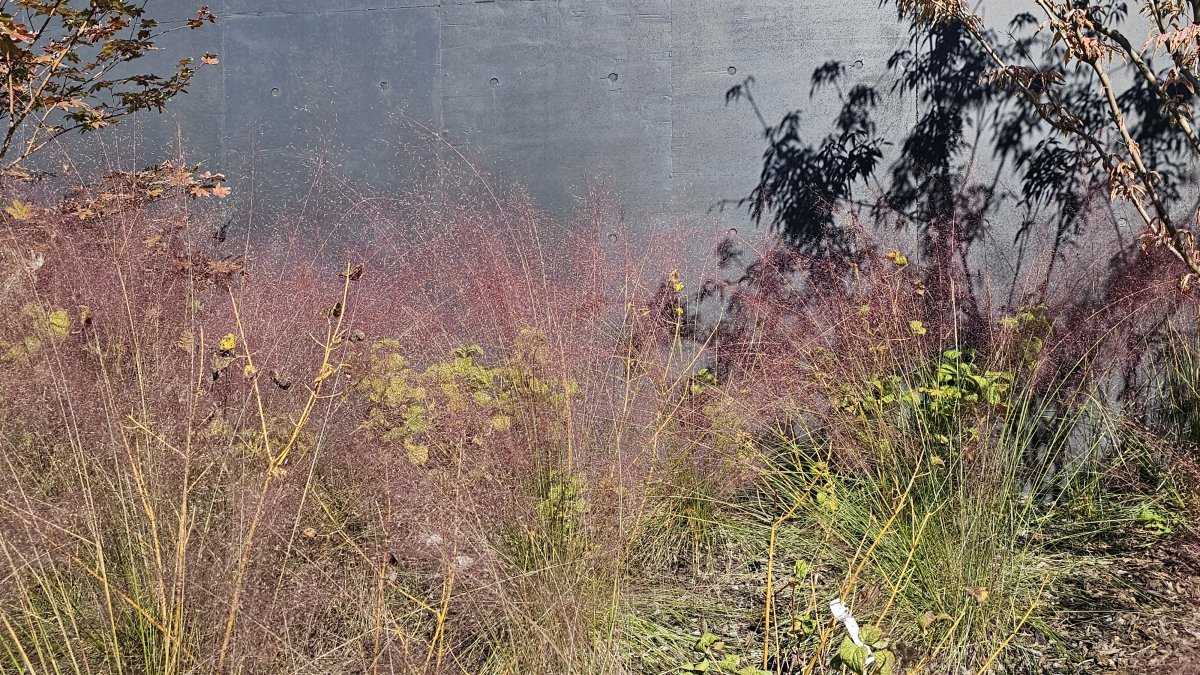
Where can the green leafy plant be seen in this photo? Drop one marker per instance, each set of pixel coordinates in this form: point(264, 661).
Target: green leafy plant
point(872, 658)
point(717, 659)
point(934, 398)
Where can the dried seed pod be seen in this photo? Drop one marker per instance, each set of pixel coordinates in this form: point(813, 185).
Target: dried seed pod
point(221, 359)
point(281, 380)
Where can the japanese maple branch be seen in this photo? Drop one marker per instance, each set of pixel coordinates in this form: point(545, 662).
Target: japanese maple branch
point(1151, 79)
point(1161, 220)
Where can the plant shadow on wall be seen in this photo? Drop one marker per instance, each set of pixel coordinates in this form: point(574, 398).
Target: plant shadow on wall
point(1038, 123)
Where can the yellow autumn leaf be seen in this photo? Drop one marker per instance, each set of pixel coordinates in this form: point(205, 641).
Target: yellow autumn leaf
point(59, 323)
point(228, 343)
point(978, 592)
point(19, 210)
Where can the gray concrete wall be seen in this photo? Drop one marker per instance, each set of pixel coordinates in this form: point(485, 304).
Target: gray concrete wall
point(551, 93)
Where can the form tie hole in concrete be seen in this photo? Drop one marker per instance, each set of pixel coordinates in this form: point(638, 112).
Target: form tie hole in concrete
point(858, 64)
point(495, 81)
point(613, 237)
point(275, 91)
point(733, 231)
point(731, 70)
point(384, 86)
point(1122, 223)
point(612, 77)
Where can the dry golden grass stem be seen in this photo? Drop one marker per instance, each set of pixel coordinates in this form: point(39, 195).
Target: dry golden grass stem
point(769, 592)
point(1003, 645)
point(855, 571)
point(333, 339)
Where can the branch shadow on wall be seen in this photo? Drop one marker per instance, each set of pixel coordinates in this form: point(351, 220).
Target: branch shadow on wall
point(947, 175)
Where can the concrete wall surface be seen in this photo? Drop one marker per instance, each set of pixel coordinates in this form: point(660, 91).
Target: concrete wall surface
point(550, 93)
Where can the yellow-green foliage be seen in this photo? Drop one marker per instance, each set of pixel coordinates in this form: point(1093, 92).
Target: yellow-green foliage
point(457, 401)
point(1030, 330)
point(21, 350)
point(399, 407)
point(557, 532)
point(939, 400)
point(45, 325)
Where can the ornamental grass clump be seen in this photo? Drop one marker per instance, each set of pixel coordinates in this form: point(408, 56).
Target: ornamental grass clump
point(474, 441)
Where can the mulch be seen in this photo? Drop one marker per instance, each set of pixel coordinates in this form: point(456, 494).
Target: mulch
point(1133, 612)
